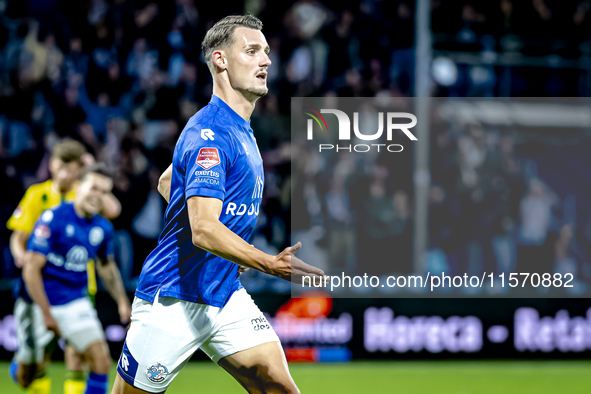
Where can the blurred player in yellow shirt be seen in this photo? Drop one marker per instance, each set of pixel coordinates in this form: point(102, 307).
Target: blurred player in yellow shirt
point(28, 368)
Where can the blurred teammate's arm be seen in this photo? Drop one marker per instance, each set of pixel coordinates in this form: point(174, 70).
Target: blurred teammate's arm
point(18, 247)
point(111, 206)
point(21, 223)
point(210, 234)
point(111, 277)
point(164, 183)
point(34, 263)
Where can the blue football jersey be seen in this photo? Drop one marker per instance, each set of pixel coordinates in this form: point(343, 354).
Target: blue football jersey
point(69, 242)
point(216, 156)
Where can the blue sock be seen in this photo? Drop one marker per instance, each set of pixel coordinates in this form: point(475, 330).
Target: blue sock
point(12, 370)
point(96, 383)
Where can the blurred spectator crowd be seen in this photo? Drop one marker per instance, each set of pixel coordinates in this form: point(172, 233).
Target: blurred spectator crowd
point(123, 77)
point(502, 199)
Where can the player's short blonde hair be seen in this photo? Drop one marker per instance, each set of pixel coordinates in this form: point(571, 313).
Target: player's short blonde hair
point(69, 151)
point(221, 35)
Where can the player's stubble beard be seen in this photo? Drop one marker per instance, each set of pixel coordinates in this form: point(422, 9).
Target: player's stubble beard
point(252, 94)
point(258, 91)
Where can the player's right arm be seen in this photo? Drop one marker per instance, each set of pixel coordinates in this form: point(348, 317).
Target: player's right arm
point(34, 263)
point(18, 247)
point(210, 234)
point(39, 245)
point(111, 206)
point(21, 223)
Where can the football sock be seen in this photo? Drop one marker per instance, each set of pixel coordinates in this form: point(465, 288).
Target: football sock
point(12, 370)
point(97, 383)
point(40, 386)
point(75, 382)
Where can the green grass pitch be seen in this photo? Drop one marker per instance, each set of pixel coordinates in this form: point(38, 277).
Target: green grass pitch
point(417, 377)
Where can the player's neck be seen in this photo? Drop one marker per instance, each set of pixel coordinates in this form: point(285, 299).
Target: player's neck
point(235, 100)
point(81, 212)
point(56, 189)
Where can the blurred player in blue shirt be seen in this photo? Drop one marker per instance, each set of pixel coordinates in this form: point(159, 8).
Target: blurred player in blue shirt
point(189, 295)
point(62, 243)
point(28, 367)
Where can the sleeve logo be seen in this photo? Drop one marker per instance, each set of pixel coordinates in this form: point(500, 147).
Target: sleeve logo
point(124, 362)
point(207, 134)
point(42, 231)
point(208, 158)
point(18, 212)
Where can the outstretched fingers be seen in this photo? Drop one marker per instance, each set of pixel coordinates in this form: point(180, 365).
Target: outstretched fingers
point(295, 248)
point(302, 273)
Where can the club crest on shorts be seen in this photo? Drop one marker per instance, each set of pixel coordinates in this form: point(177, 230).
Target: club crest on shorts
point(157, 373)
point(208, 157)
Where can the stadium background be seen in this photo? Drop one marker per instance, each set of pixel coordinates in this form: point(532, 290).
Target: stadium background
point(123, 77)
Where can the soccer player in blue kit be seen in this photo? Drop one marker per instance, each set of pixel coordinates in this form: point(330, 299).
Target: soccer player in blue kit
point(63, 241)
point(189, 295)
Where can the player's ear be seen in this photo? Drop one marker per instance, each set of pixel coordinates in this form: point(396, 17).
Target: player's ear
point(54, 164)
point(219, 59)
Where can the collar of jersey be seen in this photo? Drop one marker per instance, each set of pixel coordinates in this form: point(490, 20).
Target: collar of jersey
point(84, 219)
point(239, 120)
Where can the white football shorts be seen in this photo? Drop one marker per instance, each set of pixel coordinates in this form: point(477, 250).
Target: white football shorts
point(164, 335)
point(78, 323)
point(31, 334)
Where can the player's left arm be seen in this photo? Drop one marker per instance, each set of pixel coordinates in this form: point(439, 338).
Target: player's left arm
point(111, 205)
point(111, 277)
point(209, 234)
point(205, 202)
point(164, 183)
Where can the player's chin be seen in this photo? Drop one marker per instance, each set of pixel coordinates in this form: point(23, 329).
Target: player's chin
point(92, 209)
point(260, 92)
point(63, 187)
